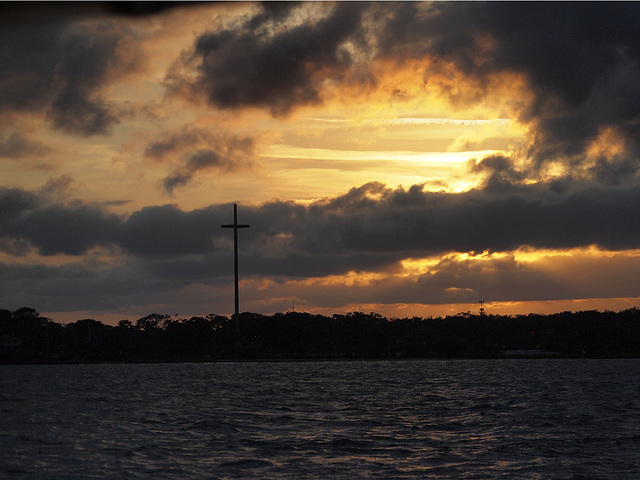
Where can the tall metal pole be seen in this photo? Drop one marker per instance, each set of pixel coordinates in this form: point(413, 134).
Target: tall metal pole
point(235, 227)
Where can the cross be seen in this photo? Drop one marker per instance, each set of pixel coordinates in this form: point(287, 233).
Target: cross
point(235, 227)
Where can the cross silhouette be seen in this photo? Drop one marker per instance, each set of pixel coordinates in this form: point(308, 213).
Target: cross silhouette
point(235, 227)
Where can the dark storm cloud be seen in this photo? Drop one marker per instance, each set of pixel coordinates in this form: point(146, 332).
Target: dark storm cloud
point(167, 231)
point(411, 222)
point(31, 219)
point(143, 284)
point(14, 203)
point(28, 57)
point(62, 69)
point(92, 286)
point(251, 66)
point(581, 61)
point(84, 64)
point(75, 228)
point(499, 170)
point(70, 230)
point(11, 12)
point(371, 227)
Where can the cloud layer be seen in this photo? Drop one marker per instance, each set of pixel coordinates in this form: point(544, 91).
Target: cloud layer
point(304, 252)
point(567, 74)
point(360, 230)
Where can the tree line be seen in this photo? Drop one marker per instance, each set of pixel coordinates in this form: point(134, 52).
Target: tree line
point(28, 337)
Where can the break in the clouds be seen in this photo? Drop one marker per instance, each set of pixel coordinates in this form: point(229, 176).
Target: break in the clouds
point(580, 63)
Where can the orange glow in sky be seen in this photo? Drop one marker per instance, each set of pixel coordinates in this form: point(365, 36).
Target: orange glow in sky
point(403, 158)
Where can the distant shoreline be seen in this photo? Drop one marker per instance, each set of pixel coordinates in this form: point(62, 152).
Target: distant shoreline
point(28, 338)
point(314, 359)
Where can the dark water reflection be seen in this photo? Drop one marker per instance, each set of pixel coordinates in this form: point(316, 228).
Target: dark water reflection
point(561, 419)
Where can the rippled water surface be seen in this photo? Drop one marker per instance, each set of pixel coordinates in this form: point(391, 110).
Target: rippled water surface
point(538, 419)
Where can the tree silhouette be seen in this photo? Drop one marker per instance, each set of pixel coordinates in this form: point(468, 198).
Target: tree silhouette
point(27, 337)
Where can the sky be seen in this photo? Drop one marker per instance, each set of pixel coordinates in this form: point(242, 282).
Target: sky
point(408, 159)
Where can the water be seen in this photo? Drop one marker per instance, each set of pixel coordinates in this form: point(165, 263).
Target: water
point(529, 419)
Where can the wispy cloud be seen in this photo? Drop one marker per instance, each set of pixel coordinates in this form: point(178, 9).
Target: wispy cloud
point(417, 121)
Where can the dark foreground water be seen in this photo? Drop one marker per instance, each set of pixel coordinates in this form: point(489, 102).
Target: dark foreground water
point(537, 419)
